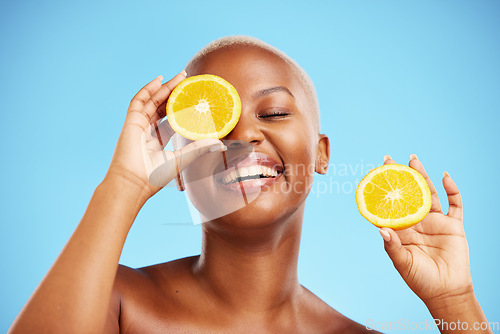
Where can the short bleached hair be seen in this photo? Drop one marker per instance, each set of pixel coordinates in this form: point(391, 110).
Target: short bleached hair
point(252, 41)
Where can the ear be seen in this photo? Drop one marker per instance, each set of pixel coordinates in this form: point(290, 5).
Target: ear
point(322, 154)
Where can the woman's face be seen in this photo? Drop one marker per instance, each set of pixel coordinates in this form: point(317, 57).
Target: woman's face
point(275, 137)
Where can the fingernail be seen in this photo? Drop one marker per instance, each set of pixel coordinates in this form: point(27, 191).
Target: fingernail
point(184, 72)
point(385, 235)
point(160, 77)
point(217, 147)
point(413, 156)
point(387, 157)
point(445, 174)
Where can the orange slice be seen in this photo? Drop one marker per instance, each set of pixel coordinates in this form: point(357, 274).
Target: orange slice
point(203, 106)
point(395, 196)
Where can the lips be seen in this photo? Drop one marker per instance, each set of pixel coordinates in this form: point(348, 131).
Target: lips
point(248, 172)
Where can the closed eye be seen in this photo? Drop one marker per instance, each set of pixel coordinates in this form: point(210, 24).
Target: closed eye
point(277, 113)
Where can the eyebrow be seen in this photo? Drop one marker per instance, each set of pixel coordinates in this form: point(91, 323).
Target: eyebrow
point(271, 90)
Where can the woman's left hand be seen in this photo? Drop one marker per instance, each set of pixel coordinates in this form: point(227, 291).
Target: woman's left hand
point(432, 256)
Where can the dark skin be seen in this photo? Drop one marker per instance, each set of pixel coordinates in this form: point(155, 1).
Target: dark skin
point(245, 280)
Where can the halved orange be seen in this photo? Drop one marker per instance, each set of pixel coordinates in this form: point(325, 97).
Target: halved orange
point(203, 106)
point(395, 196)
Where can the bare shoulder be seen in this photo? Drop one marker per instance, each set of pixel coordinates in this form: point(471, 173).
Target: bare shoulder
point(155, 276)
point(327, 320)
point(160, 281)
point(146, 300)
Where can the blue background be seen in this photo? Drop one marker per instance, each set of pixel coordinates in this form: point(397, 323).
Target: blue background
point(393, 77)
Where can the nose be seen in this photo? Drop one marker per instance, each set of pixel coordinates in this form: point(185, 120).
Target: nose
point(247, 130)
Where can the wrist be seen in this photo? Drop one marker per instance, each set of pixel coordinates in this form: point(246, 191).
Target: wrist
point(115, 198)
point(124, 190)
point(128, 185)
point(452, 300)
point(458, 312)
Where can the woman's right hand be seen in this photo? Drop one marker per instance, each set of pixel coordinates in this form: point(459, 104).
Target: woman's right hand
point(139, 160)
point(78, 288)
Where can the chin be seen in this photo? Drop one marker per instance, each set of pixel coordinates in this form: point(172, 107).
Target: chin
point(257, 214)
point(268, 210)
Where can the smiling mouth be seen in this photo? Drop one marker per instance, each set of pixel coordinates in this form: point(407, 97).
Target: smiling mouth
point(254, 172)
point(248, 173)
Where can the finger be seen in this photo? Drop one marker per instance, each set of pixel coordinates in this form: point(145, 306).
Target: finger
point(399, 256)
point(142, 97)
point(160, 113)
point(152, 109)
point(196, 149)
point(416, 164)
point(388, 160)
point(164, 132)
point(454, 198)
point(164, 164)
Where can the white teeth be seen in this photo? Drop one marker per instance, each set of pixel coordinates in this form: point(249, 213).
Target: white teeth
point(243, 171)
point(249, 171)
point(269, 171)
point(254, 170)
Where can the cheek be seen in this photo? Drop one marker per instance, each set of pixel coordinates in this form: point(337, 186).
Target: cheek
point(297, 147)
point(299, 144)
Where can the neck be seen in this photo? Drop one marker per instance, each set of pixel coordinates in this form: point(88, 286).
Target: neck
point(252, 270)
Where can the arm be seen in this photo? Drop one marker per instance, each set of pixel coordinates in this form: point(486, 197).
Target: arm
point(433, 259)
point(459, 313)
point(75, 294)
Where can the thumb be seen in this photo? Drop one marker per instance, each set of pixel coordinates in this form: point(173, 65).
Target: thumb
point(192, 151)
point(392, 244)
point(164, 162)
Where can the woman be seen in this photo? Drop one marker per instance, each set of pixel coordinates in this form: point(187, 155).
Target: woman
point(245, 279)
